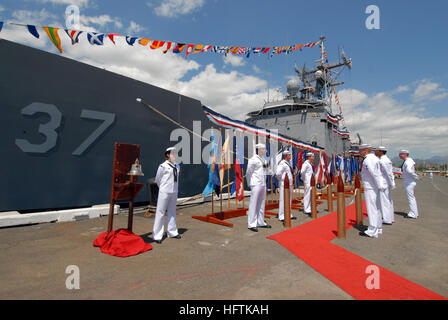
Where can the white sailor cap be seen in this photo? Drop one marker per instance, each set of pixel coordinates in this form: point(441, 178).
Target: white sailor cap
point(404, 151)
point(286, 152)
point(260, 146)
point(170, 149)
point(382, 148)
point(365, 146)
point(309, 154)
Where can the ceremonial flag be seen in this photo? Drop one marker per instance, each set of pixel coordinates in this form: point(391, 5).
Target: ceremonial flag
point(1, 26)
point(144, 41)
point(320, 169)
point(112, 35)
point(33, 30)
point(73, 35)
point(237, 165)
point(131, 40)
point(211, 166)
point(300, 160)
point(168, 47)
point(206, 48)
point(179, 48)
point(224, 157)
point(198, 48)
point(95, 38)
point(54, 37)
point(157, 44)
point(189, 50)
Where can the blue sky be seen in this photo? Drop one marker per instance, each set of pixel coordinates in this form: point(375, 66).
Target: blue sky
point(400, 67)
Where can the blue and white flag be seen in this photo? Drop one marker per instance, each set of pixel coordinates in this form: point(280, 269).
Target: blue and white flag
point(95, 38)
point(32, 29)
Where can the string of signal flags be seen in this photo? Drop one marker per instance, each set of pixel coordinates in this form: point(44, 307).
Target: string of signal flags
point(97, 38)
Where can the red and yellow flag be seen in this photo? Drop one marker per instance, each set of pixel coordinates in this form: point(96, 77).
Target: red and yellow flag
point(54, 37)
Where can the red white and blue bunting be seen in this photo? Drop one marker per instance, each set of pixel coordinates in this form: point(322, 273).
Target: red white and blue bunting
point(227, 122)
point(96, 38)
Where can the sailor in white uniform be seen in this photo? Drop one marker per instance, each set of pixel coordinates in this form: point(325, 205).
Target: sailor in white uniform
point(409, 180)
point(256, 178)
point(167, 179)
point(371, 179)
point(284, 168)
point(305, 173)
point(387, 179)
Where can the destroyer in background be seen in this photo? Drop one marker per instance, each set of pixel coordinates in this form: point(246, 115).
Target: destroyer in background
point(306, 111)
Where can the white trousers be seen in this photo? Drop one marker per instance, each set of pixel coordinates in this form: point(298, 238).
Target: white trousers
point(307, 199)
point(409, 187)
point(387, 206)
point(374, 212)
point(255, 215)
point(166, 203)
point(281, 205)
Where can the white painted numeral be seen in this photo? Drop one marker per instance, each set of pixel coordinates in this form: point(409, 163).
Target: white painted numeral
point(48, 129)
point(108, 119)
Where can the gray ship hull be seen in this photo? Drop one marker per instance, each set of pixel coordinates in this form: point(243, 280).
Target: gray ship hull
point(60, 120)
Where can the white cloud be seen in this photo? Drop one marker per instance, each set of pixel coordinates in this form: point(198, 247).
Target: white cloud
point(134, 28)
point(2, 8)
point(400, 125)
point(79, 3)
point(429, 90)
point(233, 60)
point(101, 21)
point(401, 89)
point(173, 8)
point(33, 17)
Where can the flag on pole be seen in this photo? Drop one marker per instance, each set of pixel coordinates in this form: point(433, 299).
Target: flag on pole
point(131, 40)
point(209, 188)
point(54, 37)
point(33, 31)
point(225, 158)
point(237, 165)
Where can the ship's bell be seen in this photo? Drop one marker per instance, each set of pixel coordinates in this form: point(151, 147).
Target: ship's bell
point(136, 169)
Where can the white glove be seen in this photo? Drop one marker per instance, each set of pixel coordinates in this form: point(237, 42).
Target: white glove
point(392, 187)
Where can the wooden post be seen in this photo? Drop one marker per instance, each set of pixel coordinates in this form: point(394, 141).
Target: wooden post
point(286, 202)
point(329, 194)
point(313, 197)
point(341, 210)
point(358, 201)
point(213, 206)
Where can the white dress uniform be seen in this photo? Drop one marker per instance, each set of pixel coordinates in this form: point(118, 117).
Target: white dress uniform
point(305, 173)
point(409, 180)
point(387, 179)
point(283, 169)
point(168, 182)
point(256, 179)
point(371, 179)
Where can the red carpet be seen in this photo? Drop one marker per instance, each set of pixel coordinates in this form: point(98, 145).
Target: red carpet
point(311, 243)
point(121, 243)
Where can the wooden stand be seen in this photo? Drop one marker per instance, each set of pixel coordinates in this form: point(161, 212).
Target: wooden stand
point(219, 217)
point(124, 188)
point(286, 198)
point(358, 201)
point(341, 210)
point(313, 198)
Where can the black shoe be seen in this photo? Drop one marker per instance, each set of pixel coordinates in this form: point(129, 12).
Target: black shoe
point(158, 241)
point(281, 220)
point(177, 237)
point(293, 218)
point(253, 229)
point(387, 224)
point(266, 226)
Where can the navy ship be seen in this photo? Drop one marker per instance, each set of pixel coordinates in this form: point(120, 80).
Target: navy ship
point(61, 118)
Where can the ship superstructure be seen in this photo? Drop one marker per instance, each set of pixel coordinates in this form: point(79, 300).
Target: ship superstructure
point(306, 112)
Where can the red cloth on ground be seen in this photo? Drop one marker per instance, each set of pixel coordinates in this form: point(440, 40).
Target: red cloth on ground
point(121, 243)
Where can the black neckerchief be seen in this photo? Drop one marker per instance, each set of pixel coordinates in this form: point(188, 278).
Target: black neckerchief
point(174, 170)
